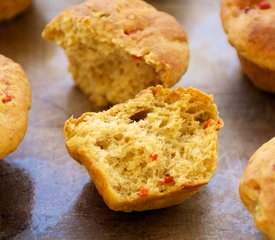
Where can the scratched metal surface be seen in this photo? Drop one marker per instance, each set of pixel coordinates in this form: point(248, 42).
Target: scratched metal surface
point(46, 195)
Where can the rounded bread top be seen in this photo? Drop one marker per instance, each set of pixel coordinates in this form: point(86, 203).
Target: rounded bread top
point(15, 101)
point(257, 187)
point(135, 26)
point(250, 27)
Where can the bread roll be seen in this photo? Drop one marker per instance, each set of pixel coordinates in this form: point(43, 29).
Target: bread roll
point(15, 102)
point(118, 47)
point(257, 188)
point(151, 152)
point(250, 28)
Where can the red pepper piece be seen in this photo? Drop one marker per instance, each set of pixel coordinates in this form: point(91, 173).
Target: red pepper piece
point(264, 5)
point(136, 58)
point(143, 192)
point(154, 156)
point(211, 121)
point(169, 179)
point(6, 99)
point(207, 123)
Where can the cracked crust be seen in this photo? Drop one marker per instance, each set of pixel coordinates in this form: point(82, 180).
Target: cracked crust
point(15, 102)
point(257, 188)
point(11, 8)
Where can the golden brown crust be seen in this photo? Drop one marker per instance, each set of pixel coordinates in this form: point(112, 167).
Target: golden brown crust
point(15, 101)
point(138, 28)
point(11, 8)
point(115, 202)
point(156, 200)
point(257, 188)
point(251, 30)
point(262, 78)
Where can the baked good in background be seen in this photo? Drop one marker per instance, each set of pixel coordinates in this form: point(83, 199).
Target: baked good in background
point(11, 8)
point(15, 102)
point(250, 28)
point(118, 47)
point(257, 188)
point(151, 152)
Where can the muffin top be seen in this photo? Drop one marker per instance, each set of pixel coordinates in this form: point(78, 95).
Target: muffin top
point(15, 101)
point(250, 27)
point(257, 188)
point(135, 26)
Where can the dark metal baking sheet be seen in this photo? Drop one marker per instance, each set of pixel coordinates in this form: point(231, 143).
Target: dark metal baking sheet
point(46, 195)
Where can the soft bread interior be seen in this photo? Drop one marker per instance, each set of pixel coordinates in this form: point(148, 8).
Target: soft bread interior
point(108, 74)
point(162, 141)
point(103, 70)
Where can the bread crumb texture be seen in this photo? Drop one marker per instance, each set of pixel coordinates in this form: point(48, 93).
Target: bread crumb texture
point(11, 8)
point(118, 47)
point(151, 152)
point(15, 102)
point(257, 188)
